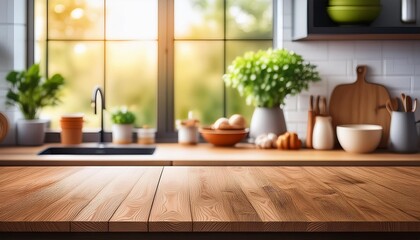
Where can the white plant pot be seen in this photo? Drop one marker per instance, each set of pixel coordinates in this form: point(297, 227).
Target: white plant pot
point(267, 120)
point(31, 132)
point(122, 133)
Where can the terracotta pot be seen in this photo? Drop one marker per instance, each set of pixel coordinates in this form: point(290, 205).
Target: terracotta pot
point(71, 129)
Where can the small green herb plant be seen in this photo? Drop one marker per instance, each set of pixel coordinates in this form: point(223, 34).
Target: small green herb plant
point(266, 77)
point(123, 116)
point(31, 92)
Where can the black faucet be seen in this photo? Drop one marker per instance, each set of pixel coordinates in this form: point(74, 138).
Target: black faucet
point(94, 105)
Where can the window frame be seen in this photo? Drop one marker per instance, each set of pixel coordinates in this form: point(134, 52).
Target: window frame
point(166, 131)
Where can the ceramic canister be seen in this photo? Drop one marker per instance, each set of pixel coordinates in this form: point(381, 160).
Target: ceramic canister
point(403, 133)
point(323, 133)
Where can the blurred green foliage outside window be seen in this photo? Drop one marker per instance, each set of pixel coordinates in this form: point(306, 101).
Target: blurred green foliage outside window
point(114, 44)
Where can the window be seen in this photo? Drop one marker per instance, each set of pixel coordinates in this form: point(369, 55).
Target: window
point(161, 58)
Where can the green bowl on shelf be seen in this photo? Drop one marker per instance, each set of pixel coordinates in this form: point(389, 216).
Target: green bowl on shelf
point(353, 14)
point(355, 2)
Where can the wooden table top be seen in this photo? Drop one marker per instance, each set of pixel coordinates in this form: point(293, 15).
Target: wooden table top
point(208, 155)
point(209, 199)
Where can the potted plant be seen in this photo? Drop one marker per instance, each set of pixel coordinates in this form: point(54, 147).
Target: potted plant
point(265, 78)
point(31, 92)
point(122, 128)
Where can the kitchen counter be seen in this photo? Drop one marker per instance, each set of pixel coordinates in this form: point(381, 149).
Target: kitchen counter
point(210, 199)
point(207, 155)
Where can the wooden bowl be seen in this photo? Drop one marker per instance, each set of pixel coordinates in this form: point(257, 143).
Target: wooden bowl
point(225, 138)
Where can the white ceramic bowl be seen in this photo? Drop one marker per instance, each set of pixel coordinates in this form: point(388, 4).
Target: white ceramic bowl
point(359, 138)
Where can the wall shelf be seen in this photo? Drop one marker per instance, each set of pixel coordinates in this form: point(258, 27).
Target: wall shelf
point(311, 22)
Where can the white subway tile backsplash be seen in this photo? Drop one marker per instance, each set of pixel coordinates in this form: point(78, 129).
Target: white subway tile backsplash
point(295, 117)
point(318, 88)
point(302, 128)
point(292, 127)
point(416, 83)
point(417, 52)
point(303, 102)
point(417, 67)
point(19, 47)
point(290, 103)
point(328, 68)
point(6, 11)
point(311, 51)
point(371, 50)
point(3, 84)
point(401, 83)
point(398, 49)
point(6, 47)
point(341, 50)
point(399, 67)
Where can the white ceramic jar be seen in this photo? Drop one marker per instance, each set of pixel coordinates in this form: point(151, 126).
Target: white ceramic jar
point(122, 133)
point(323, 133)
point(146, 136)
point(188, 135)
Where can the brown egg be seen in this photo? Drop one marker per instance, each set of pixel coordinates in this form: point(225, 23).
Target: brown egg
point(237, 121)
point(221, 123)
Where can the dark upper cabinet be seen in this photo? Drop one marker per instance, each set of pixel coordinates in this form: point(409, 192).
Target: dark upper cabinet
point(311, 22)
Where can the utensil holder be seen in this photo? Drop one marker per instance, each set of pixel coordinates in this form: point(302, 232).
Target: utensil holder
point(403, 133)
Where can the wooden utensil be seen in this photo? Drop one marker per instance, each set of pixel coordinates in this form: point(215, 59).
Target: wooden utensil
point(316, 106)
point(404, 102)
point(415, 105)
point(392, 105)
point(323, 106)
point(359, 103)
point(311, 122)
point(408, 104)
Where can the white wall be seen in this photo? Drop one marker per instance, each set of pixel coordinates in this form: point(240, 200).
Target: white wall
point(12, 51)
point(394, 64)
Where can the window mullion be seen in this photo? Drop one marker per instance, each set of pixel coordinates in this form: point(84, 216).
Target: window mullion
point(165, 122)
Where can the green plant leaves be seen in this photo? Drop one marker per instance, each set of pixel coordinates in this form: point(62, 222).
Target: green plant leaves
point(30, 92)
point(123, 116)
point(266, 77)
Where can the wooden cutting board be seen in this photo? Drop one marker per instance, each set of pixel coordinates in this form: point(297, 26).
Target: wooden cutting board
point(361, 103)
point(4, 126)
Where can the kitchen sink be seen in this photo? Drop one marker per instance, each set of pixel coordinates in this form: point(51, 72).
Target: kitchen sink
point(98, 151)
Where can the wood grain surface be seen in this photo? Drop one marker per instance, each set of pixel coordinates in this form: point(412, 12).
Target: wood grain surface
point(133, 213)
point(210, 199)
point(171, 207)
point(361, 102)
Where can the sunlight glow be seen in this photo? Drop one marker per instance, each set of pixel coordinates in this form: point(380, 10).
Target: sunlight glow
point(59, 8)
point(243, 19)
point(79, 48)
point(77, 13)
point(132, 19)
point(189, 17)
